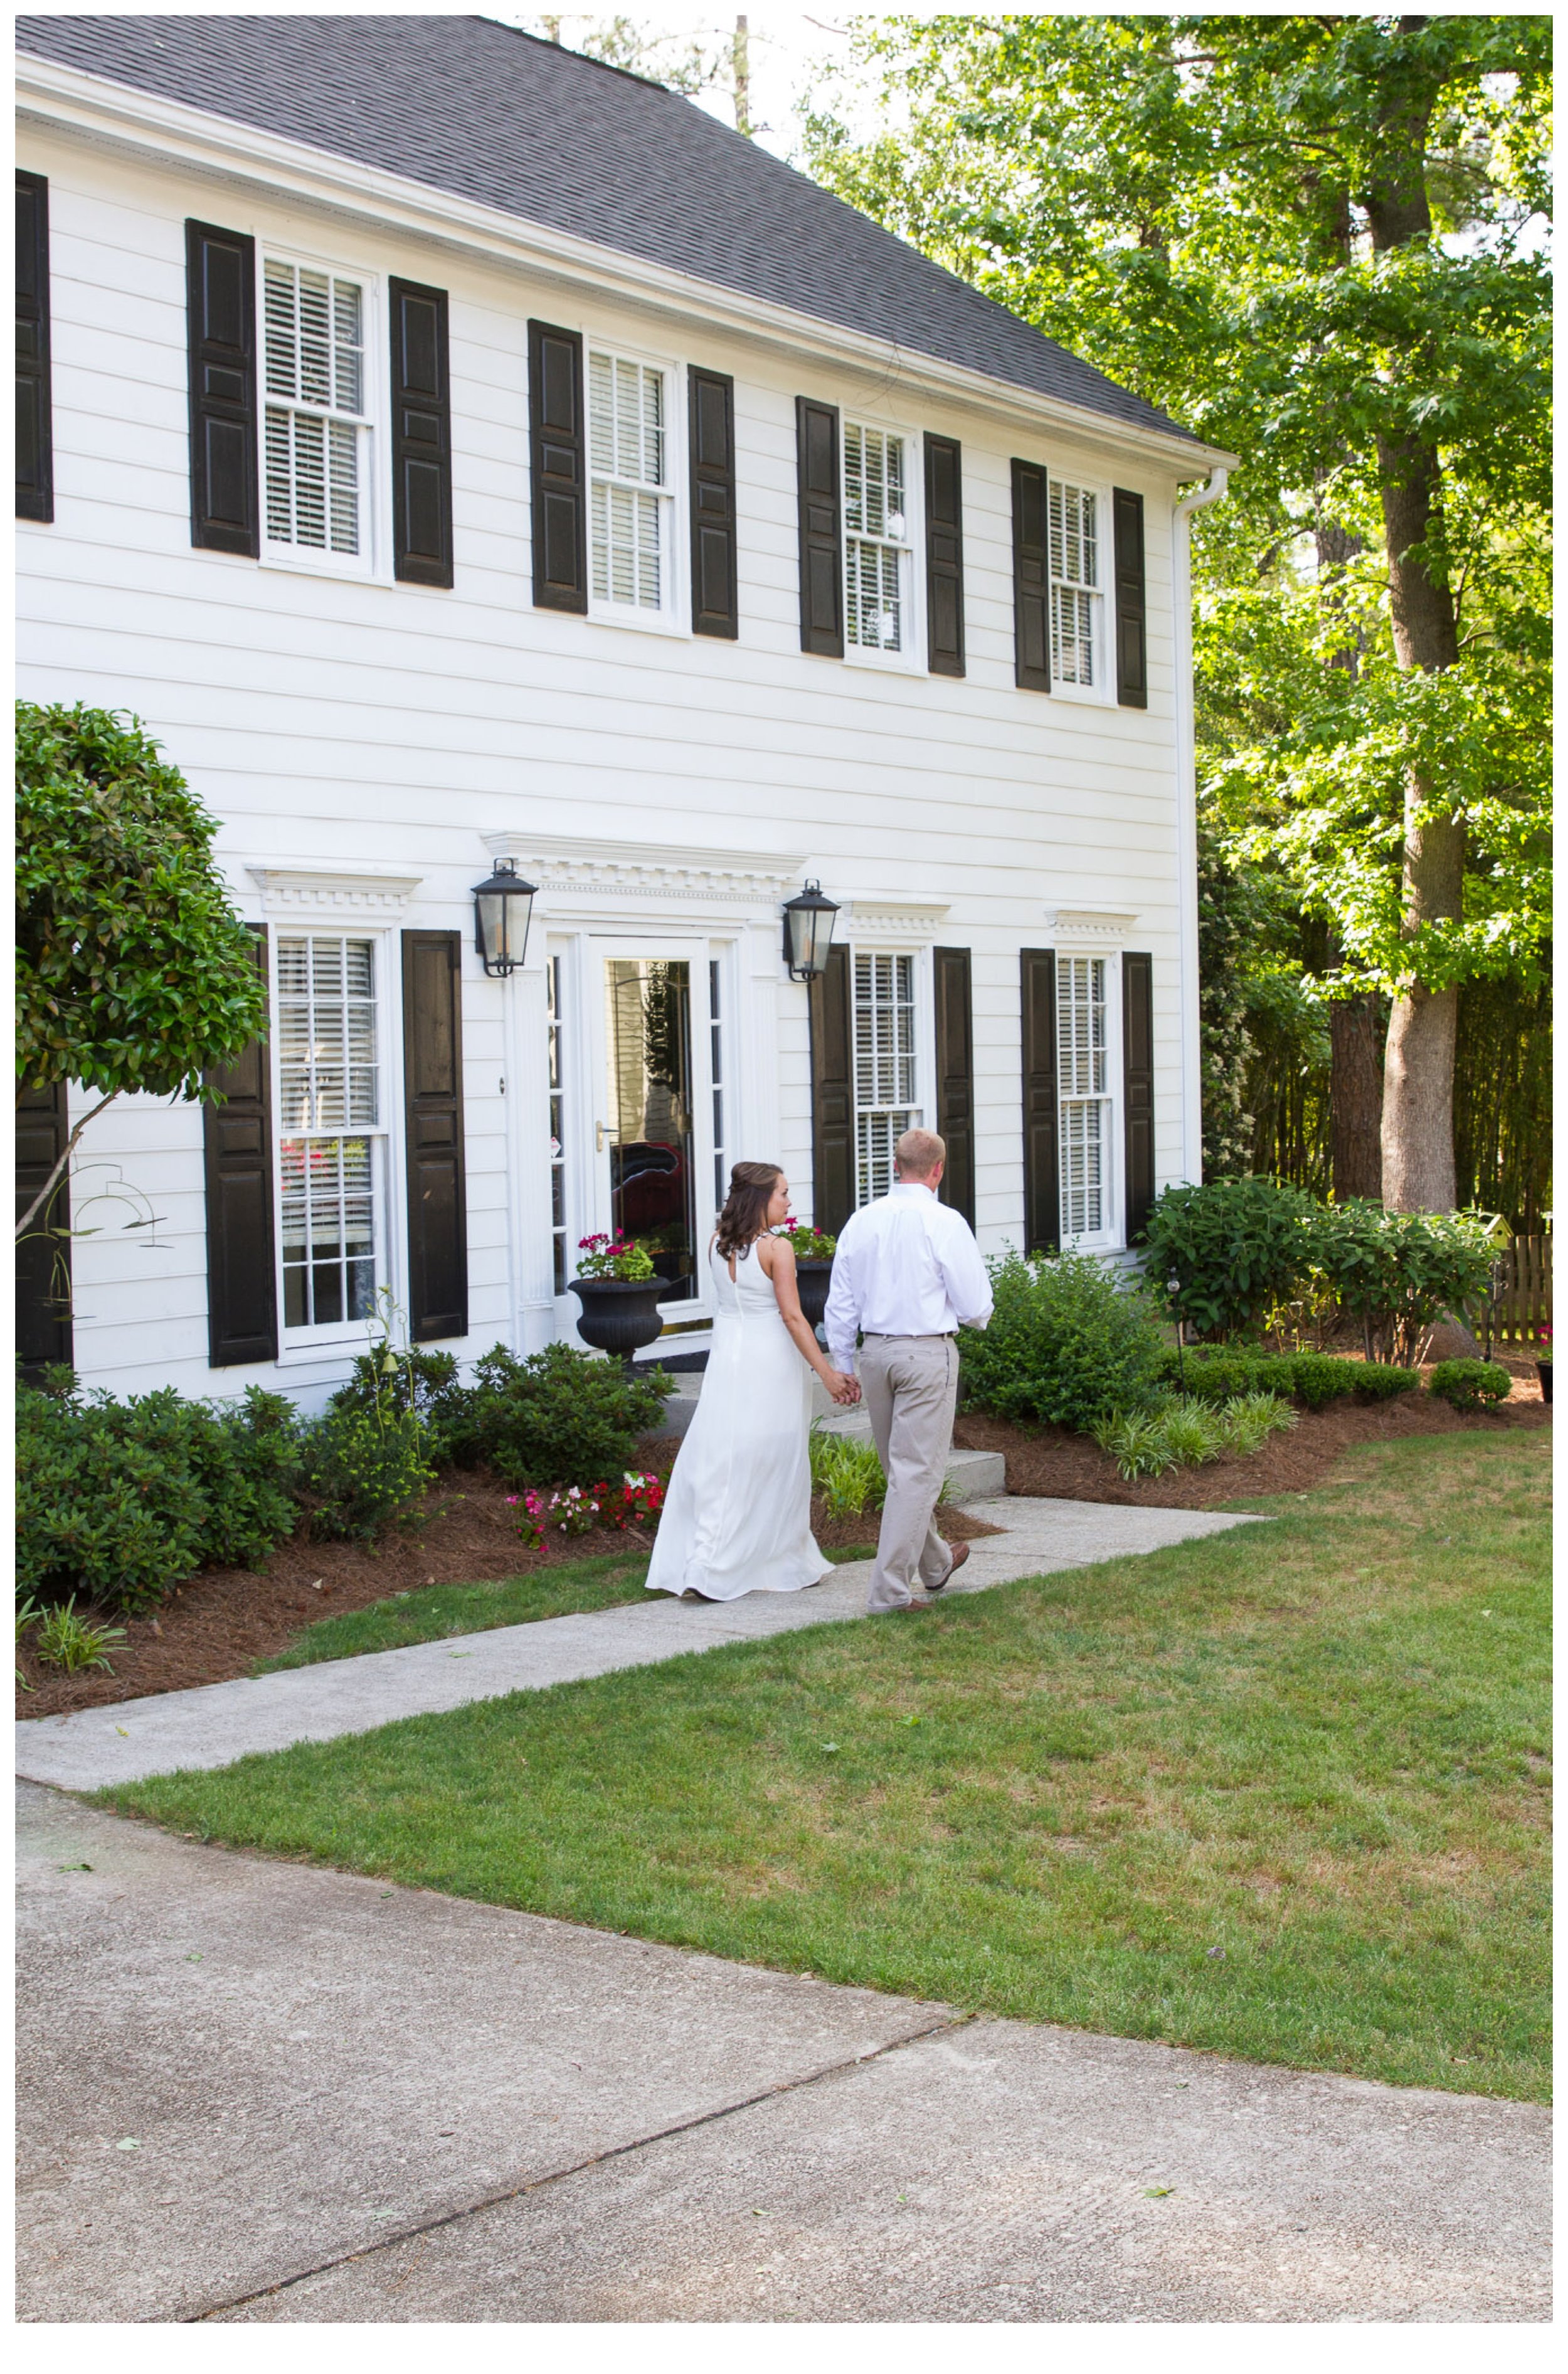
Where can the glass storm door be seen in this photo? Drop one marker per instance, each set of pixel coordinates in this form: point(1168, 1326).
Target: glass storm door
point(647, 1132)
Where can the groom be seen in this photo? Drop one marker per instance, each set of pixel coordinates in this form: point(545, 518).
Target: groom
point(909, 1274)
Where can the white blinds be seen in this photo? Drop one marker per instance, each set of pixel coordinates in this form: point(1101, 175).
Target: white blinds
point(329, 1122)
point(1081, 1078)
point(628, 465)
point(314, 334)
point(875, 534)
point(1075, 578)
point(884, 1064)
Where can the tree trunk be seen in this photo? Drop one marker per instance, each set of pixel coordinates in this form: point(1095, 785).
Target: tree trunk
point(1418, 1079)
point(1355, 1098)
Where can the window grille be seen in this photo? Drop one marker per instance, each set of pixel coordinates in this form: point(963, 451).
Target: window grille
point(876, 538)
point(628, 476)
point(885, 1065)
point(1075, 580)
point(329, 1127)
point(315, 327)
point(1081, 1084)
point(558, 1125)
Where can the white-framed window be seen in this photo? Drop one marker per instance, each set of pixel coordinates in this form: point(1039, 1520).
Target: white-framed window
point(557, 1124)
point(1078, 518)
point(878, 563)
point(1084, 1098)
point(717, 1079)
point(630, 488)
point(315, 417)
point(886, 1102)
point(330, 1100)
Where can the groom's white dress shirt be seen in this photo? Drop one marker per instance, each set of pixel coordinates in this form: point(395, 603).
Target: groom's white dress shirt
point(905, 1265)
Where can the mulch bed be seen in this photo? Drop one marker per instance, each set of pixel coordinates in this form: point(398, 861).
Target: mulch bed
point(1048, 1462)
point(214, 1628)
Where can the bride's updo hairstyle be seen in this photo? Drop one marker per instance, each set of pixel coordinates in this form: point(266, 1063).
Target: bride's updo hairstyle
point(744, 1216)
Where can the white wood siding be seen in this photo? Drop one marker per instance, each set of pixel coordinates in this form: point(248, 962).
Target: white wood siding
point(339, 720)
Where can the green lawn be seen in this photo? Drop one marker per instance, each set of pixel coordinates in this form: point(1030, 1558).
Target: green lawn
point(441, 1611)
point(1280, 1793)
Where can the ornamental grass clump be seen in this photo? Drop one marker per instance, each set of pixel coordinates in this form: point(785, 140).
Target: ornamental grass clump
point(1183, 1432)
point(67, 1641)
point(1068, 1340)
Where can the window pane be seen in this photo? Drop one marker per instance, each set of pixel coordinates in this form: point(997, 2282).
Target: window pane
point(557, 1126)
point(328, 1229)
point(1083, 1210)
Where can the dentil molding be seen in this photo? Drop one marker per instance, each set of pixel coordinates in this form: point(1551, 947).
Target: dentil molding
point(368, 893)
point(1098, 923)
point(896, 919)
point(637, 869)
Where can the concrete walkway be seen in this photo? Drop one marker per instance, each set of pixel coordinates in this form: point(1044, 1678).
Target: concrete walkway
point(198, 1729)
point(262, 2093)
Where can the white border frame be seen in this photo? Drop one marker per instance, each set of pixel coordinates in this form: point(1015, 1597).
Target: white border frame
point(1102, 693)
point(673, 615)
point(911, 660)
point(1112, 1238)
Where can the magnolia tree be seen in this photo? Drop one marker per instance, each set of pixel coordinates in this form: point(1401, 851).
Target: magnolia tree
point(134, 972)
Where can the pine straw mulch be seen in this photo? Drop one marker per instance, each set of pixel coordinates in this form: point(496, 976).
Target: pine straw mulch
point(214, 1628)
point(1049, 1462)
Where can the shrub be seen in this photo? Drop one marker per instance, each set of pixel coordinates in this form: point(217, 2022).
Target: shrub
point(122, 1501)
point(847, 1474)
point(1234, 1249)
point(1400, 1271)
point(1314, 1378)
point(1068, 1340)
point(68, 1640)
point(559, 1417)
point(1470, 1384)
point(363, 1467)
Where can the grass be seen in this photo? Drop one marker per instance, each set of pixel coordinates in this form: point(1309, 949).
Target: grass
point(441, 1611)
point(1280, 1793)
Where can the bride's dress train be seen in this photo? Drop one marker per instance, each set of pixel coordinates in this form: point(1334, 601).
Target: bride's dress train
point(737, 1516)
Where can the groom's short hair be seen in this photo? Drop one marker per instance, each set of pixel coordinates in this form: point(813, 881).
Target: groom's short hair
point(918, 1153)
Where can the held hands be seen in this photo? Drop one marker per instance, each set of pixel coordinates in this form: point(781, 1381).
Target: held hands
point(845, 1389)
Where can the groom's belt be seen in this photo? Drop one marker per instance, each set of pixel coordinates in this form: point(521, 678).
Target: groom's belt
point(909, 1334)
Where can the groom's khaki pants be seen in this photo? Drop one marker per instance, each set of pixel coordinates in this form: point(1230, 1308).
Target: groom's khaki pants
point(910, 1384)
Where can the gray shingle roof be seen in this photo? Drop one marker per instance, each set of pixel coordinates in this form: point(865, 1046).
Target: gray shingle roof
point(470, 106)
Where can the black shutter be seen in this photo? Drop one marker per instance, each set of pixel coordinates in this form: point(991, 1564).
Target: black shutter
point(955, 1077)
point(1137, 1086)
point(1042, 1193)
point(822, 540)
point(560, 494)
point(1131, 648)
point(43, 1255)
point(422, 453)
point(944, 557)
point(832, 1096)
point(220, 298)
point(432, 1073)
point(242, 1279)
point(1031, 579)
point(715, 603)
point(35, 430)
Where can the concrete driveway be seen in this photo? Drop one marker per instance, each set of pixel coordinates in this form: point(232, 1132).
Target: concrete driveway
point(259, 2092)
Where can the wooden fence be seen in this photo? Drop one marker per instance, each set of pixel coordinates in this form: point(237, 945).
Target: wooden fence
point(1524, 1301)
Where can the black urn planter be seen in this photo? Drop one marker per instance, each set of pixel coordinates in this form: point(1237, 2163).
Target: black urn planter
point(1543, 1370)
point(619, 1315)
point(814, 1278)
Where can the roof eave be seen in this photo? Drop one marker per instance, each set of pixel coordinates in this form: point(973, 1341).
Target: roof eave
point(122, 115)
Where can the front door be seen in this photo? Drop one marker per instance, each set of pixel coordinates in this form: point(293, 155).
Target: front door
point(650, 1149)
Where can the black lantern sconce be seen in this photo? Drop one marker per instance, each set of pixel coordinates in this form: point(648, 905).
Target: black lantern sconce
point(501, 910)
point(808, 933)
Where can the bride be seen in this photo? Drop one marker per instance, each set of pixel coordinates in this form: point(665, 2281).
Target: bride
point(737, 1517)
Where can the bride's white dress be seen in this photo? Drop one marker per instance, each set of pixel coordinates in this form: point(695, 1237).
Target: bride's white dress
point(738, 1513)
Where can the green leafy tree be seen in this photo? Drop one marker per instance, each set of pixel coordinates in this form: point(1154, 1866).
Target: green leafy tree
point(134, 972)
point(1316, 240)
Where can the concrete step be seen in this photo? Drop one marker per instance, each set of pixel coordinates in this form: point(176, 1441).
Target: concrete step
point(971, 1475)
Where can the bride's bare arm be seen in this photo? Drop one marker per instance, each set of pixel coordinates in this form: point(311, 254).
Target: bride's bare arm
point(779, 1261)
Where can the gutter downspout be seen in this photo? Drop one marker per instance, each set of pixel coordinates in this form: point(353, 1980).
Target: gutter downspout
point(1187, 820)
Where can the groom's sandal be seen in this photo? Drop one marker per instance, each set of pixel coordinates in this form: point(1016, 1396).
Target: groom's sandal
point(960, 1552)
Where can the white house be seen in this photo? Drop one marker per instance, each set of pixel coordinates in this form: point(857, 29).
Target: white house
point(456, 451)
